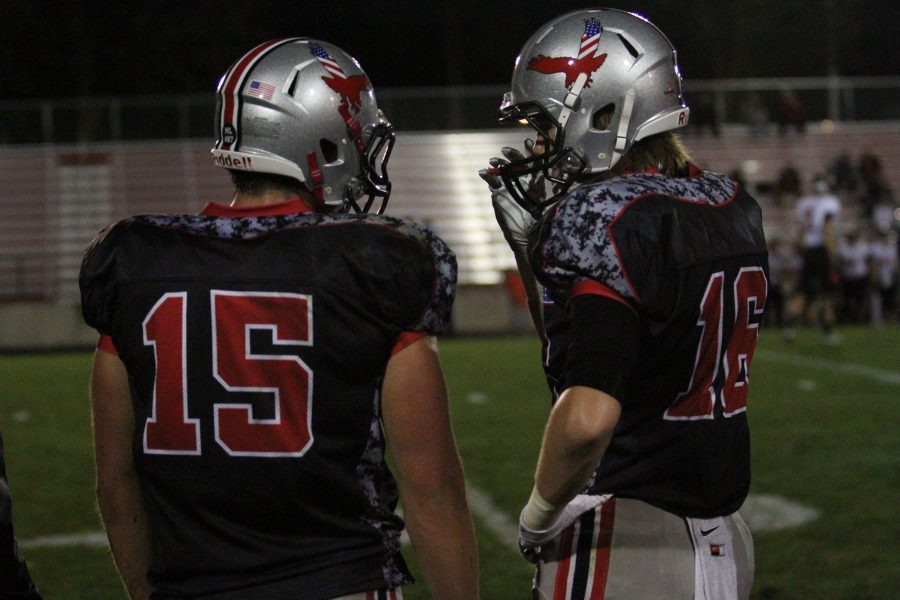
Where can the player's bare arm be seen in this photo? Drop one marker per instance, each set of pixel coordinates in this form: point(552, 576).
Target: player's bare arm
point(432, 488)
point(118, 488)
point(577, 434)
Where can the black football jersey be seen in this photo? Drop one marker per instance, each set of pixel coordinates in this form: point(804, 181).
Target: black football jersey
point(255, 348)
point(15, 581)
point(688, 254)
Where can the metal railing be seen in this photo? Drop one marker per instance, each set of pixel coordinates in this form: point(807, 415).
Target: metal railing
point(749, 102)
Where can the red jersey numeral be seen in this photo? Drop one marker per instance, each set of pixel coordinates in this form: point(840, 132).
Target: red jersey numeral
point(287, 378)
point(284, 377)
point(169, 430)
point(750, 290)
point(721, 374)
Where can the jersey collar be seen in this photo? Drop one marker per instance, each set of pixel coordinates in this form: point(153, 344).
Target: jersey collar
point(289, 207)
point(693, 171)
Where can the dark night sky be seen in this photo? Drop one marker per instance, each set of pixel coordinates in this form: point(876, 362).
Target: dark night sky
point(70, 48)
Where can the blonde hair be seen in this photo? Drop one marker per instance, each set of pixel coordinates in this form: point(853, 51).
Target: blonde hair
point(663, 152)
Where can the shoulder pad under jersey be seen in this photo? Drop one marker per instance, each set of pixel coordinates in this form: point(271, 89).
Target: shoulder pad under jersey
point(577, 240)
point(401, 254)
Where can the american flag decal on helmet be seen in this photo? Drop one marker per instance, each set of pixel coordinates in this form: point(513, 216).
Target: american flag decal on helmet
point(229, 119)
point(590, 39)
point(327, 61)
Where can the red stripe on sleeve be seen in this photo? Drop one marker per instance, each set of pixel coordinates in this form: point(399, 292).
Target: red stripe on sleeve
point(106, 344)
point(407, 338)
point(594, 287)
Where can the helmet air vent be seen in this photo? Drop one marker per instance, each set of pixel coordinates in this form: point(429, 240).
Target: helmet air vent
point(293, 86)
point(629, 46)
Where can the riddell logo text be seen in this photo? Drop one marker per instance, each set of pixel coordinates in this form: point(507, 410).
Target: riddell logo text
point(233, 162)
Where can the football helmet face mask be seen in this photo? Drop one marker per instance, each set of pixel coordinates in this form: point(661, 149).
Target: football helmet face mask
point(305, 109)
point(590, 83)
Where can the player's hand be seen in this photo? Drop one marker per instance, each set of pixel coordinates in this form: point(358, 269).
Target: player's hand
point(514, 220)
point(532, 542)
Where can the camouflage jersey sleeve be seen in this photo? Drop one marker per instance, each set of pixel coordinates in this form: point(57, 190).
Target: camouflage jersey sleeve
point(574, 243)
point(619, 232)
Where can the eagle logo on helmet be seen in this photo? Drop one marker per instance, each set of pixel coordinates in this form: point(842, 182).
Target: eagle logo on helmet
point(586, 63)
point(350, 88)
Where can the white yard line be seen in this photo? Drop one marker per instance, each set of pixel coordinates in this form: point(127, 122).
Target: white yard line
point(495, 520)
point(762, 513)
point(765, 512)
point(88, 538)
point(823, 364)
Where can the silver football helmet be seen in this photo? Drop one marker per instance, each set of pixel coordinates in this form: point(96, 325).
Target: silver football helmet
point(305, 109)
point(591, 82)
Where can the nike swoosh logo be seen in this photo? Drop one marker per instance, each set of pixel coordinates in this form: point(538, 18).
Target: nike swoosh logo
point(706, 532)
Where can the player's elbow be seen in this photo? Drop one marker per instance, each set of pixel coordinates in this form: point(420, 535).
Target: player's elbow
point(588, 417)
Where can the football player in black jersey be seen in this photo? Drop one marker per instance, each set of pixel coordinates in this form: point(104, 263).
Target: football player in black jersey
point(15, 581)
point(255, 359)
point(654, 274)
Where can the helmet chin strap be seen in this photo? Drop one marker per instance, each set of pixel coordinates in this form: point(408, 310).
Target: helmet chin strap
point(571, 100)
point(622, 133)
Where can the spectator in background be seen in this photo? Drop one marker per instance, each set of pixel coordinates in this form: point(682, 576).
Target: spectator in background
point(854, 255)
point(755, 114)
point(885, 215)
point(873, 186)
point(788, 186)
point(790, 112)
point(784, 264)
point(816, 215)
point(15, 581)
point(842, 174)
point(885, 273)
point(703, 114)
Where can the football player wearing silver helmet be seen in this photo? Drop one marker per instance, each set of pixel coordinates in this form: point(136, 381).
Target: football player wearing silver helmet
point(254, 360)
point(654, 274)
point(304, 110)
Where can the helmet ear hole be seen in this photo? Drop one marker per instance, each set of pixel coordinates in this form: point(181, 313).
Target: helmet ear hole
point(603, 117)
point(329, 150)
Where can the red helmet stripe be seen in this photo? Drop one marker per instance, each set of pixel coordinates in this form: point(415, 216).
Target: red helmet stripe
point(230, 90)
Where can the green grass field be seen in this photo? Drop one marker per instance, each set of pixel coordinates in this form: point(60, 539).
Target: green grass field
point(826, 434)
